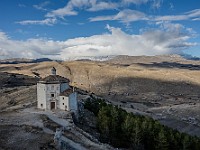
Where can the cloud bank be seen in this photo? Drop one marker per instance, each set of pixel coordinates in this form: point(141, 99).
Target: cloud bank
point(73, 7)
point(124, 15)
point(167, 40)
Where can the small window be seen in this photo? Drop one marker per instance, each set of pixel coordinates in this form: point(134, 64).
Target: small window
point(41, 105)
point(52, 95)
point(63, 98)
point(63, 103)
point(52, 87)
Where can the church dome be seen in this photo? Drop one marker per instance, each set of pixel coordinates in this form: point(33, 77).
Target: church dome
point(54, 79)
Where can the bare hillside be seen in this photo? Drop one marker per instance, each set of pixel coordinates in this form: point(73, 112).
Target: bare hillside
point(123, 74)
point(163, 87)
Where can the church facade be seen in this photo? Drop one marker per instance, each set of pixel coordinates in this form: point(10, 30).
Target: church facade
point(54, 92)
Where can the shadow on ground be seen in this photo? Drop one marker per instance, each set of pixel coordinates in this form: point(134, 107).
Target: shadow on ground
point(171, 65)
point(13, 80)
point(144, 85)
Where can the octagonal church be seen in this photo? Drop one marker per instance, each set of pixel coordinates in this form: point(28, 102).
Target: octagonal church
point(54, 92)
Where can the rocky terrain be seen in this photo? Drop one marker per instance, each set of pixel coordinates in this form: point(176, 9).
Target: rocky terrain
point(163, 87)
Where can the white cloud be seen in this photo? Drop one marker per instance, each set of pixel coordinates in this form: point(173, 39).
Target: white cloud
point(190, 15)
point(81, 3)
point(3, 36)
point(157, 4)
point(31, 48)
point(116, 42)
point(193, 13)
point(3, 53)
point(42, 6)
point(153, 42)
point(102, 6)
point(196, 19)
point(171, 6)
point(102, 18)
point(61, 12)
point(128, 15)
point(47, 21)
point(124, 16)
point(172, 18)
point(89, 5)
point(22, 5)
point(137, 2)
point(171, 27)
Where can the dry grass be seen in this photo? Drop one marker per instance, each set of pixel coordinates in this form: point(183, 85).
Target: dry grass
point(125, 74)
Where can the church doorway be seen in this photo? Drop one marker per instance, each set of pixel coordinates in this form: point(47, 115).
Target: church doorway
point(53, 105)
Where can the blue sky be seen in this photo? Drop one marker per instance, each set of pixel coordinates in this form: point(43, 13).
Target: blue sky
point(60, 29)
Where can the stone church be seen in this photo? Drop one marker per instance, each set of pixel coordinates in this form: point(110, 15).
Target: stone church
point(54, 92)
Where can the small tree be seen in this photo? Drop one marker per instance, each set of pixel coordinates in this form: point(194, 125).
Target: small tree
point(162, 143)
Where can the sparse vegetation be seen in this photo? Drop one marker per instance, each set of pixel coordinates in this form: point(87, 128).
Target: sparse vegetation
point(122, 129)
point(168, 92)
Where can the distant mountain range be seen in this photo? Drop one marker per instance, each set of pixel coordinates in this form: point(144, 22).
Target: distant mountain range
point(190, 57)
point(91, 58)
point(23, 60)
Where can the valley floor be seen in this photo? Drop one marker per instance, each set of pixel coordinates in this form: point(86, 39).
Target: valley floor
point(178, 112)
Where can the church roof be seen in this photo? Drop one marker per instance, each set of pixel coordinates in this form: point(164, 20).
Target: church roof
point(54, 79)
point(66, 92)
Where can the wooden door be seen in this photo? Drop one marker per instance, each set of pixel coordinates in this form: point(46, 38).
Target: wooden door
point(53, 105)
